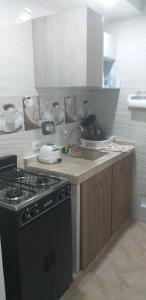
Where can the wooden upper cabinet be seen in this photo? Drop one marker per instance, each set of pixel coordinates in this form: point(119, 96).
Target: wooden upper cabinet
point(121, 195)
point(45, 56)
point(68, 49)
point(95, 215)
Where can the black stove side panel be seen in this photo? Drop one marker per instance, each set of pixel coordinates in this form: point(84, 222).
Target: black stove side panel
point(8, 231)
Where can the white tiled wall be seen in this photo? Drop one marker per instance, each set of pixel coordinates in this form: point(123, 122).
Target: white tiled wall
point(16, 60)
point(112, 111)
point(16, 80)
point(57, 95)
point(20, 143)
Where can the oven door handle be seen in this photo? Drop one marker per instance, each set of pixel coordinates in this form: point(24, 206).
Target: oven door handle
point(46, 264)
point(53, 257)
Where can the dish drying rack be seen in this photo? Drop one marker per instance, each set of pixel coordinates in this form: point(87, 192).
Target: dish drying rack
point(90, 144)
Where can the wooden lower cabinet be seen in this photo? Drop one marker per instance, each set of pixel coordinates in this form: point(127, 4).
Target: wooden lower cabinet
point(95, 215)
point(105, 206)
point(121, 192)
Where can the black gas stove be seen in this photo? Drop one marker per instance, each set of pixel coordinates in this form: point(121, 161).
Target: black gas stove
point(24, 190)
point(35, 232)
point(19, 187)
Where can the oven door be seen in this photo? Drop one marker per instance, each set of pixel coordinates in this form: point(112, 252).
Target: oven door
point(45, 254)
point(34, 260)
point(60, 235)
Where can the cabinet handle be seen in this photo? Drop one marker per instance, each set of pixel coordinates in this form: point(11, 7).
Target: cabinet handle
point(46, 265)
point(53, 257)
point(98, 184)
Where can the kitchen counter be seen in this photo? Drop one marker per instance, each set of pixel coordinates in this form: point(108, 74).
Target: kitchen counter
point(78, 170)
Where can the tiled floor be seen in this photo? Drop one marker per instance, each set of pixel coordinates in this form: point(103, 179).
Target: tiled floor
point(121, 275)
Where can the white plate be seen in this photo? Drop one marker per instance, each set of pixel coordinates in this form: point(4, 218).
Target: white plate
point(8, 129)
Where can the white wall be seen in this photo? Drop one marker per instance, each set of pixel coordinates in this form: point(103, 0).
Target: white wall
point(112, 111)
point(16, 60)
point(16, 80)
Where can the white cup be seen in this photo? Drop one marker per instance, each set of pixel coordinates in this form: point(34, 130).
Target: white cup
point(9, 112)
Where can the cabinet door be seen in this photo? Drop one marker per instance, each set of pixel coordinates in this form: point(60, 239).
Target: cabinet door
point(90, 222)
point(80, 51)
point(127, 177)
point(95, 215)
point(109, 47)
point(72, 48)
point(94, 49)
point(68, 49)
point(45, 56)
point(105, 189)
point(61, 247)
point(34, 264)
point(121, 196)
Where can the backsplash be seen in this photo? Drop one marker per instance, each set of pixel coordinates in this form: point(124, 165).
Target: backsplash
point(68, 117)
point(27, 120)
point(11, 115)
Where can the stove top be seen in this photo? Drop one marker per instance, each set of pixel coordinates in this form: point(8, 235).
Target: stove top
point(19, 187)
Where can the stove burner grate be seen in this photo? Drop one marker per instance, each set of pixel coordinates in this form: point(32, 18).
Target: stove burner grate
point(42, 181)
point(20, 185)
point(13, 195)
point(20, 174)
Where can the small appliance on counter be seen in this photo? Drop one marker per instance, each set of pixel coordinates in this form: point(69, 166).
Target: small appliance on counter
point(49, 153)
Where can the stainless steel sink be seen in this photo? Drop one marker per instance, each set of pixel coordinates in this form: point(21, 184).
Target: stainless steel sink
point(88, 154)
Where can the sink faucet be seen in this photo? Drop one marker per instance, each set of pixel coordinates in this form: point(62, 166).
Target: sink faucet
point(71, 132)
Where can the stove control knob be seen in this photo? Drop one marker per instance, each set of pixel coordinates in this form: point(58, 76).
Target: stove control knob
point(34, 211)
point(64, 193)
point(61, 194)
point(24, 216)
point(68, 191)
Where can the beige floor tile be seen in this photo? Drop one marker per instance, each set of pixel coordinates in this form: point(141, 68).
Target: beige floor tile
point(121, 274)
point(136, 279)
point(128, 295)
